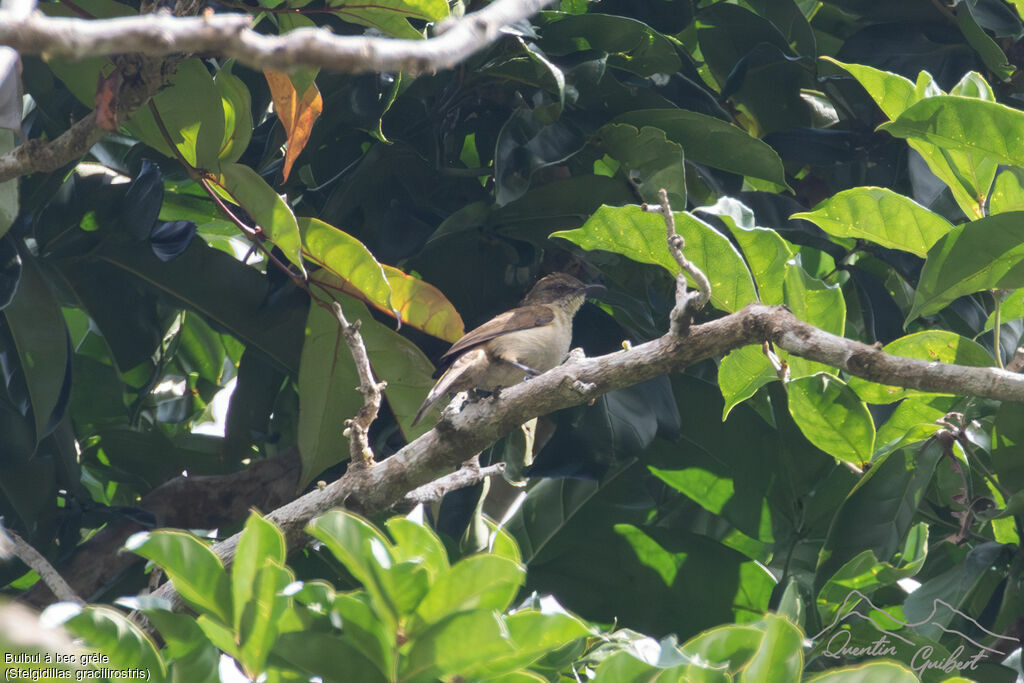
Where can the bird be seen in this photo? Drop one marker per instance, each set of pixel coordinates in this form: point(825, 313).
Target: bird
point(528, 340)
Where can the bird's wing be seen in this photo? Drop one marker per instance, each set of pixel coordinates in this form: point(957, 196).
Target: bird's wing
point(521, 318)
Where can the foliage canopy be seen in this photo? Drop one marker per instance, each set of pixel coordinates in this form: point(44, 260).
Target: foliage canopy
point(861, 163)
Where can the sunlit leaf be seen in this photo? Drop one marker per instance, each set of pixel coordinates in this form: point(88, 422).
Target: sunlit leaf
point(297, 112)
point(640, 235)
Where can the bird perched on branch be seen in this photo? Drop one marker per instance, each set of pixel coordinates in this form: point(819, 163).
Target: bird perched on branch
point(530, 339)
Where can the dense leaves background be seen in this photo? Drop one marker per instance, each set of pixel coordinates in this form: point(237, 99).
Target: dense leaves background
point(131, 297)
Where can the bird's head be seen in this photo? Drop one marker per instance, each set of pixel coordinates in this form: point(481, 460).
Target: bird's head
point(562, 289)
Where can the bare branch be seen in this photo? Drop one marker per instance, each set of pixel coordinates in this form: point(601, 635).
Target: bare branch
point(679, 318)
point(371, 389)
point(229, 35)
point(468, 475)
point(39, 155)
point(30, 556)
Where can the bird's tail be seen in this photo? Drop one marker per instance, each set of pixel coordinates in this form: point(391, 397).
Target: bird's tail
point(439, 390)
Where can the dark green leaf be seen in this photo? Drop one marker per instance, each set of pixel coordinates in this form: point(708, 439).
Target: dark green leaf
point(711, 141)
point(879, 512)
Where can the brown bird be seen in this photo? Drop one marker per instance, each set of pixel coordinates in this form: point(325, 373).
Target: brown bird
point(530, 339)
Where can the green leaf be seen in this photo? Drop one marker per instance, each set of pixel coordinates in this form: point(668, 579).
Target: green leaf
point(415, 540)
point(639, 235)
point(191, 110)
point(1008, 444)
point(731, 646)
point(347, 258)
point(984, 254)
point(891, 92)
point(1008, 192)
point(237, 104)
point(194, 569)
point(81, 75)
point(879, 215)
point(983, 44)
point(534, 634)
point(831, 416)
point(328, 380)
point(477, 582)
point(967, 124)
point(366, 630)
point(932, 345)
point(179, 632)
point(229, 294)
point(879, 512)
point(362, 549)
point(817, 303)
point(113, 634)
point(874, 671)
point(968, 175)
point(391, 16)
point(955, 587)
point(767, 254)
point(780, 653)
point(649, 160)
point(327, 656)
point(327, 394)
point(461, 645)
point(261, 614)
point(261, 542)
point(711, 141)
point(741, 373)
point(266, 207)
point(913, 420)
point(865, 574)
point(631, 45)
point(41, 339)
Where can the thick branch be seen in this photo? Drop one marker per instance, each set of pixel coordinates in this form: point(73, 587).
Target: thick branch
point(458, 437)
point(229, 35)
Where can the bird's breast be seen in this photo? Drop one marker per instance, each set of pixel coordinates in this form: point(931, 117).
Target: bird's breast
point(540, 348)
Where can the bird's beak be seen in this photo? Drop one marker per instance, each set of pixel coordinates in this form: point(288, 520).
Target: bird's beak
point(590, 290)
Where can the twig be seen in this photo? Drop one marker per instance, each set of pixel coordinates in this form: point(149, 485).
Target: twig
point(30, 556)
point(680, 316)
point(358, 428)
point(229, 35)
point(468, 475)
point(1016, 364)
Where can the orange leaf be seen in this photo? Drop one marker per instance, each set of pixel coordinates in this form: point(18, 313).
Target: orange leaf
point(106, 101)
point(297, 114)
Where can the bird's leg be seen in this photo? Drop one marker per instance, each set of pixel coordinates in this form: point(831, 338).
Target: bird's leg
point(530, 372)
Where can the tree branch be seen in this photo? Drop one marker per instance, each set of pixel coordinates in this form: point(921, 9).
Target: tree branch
point(31, 557)
point(229, 35)
point(158, 35)
point(458, 437)
point(468, 475)
point(359, 426)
